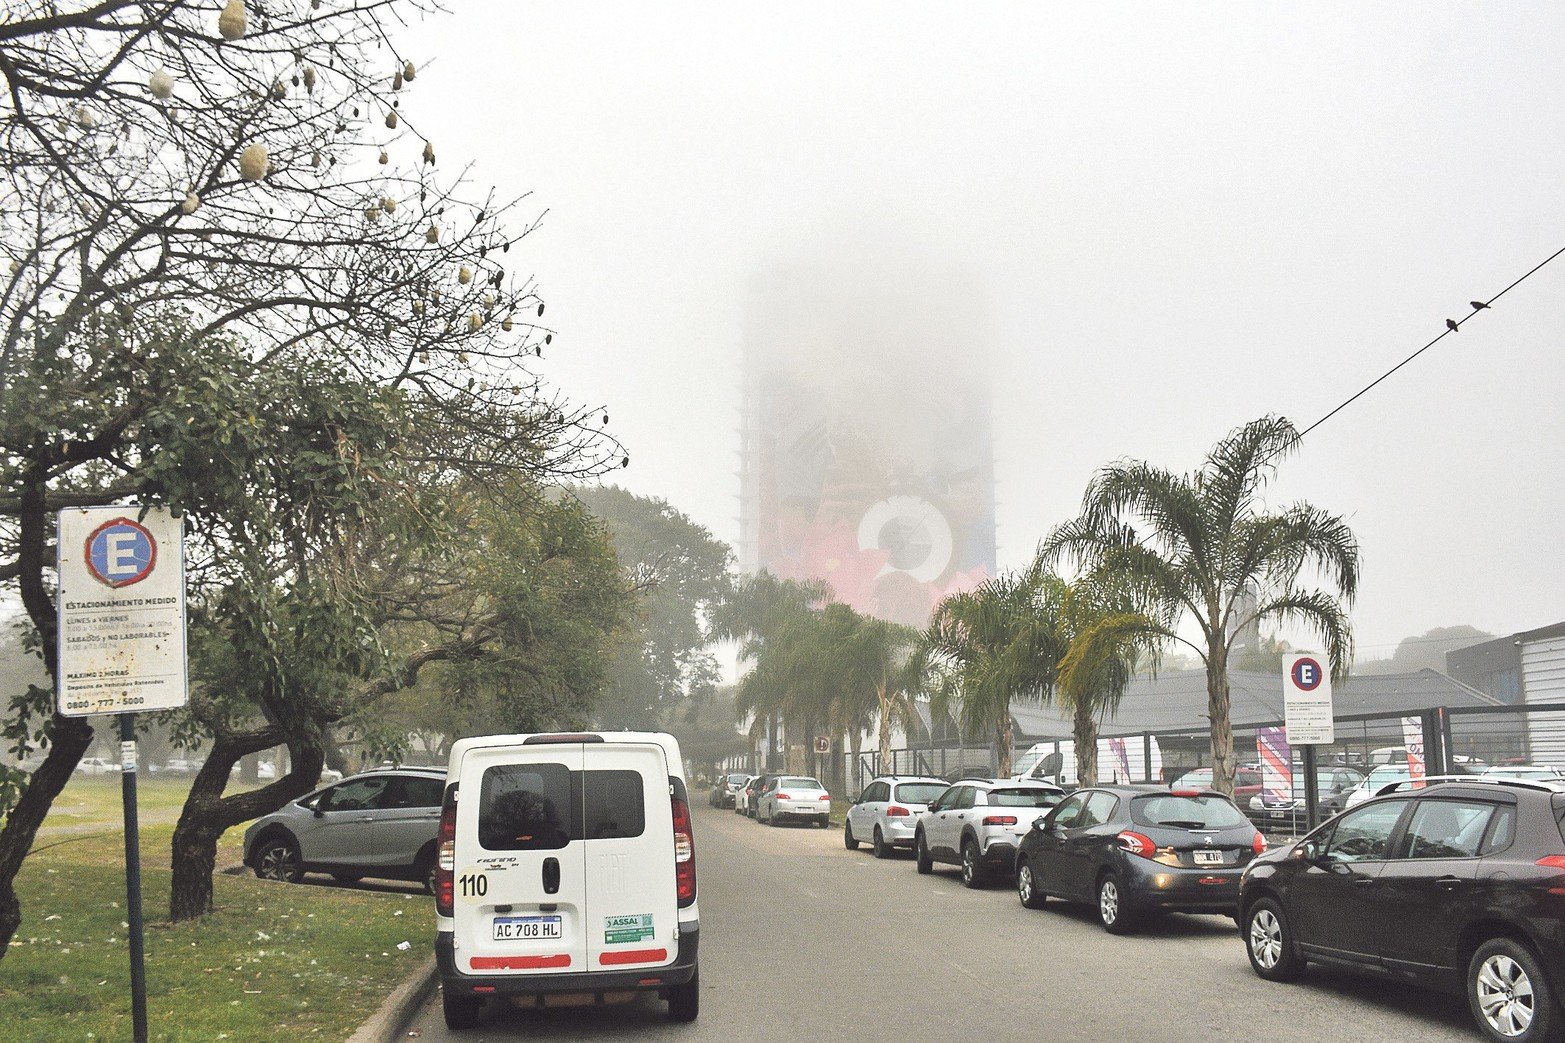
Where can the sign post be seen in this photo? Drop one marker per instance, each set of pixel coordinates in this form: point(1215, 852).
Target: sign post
point(1308, 722)
point(122, 651)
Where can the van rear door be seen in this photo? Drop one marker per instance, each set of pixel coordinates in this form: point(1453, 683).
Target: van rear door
point(629, 838)
point(520, 893)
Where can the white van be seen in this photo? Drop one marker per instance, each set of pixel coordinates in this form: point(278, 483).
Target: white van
point(1037, 763)
point(567, 873)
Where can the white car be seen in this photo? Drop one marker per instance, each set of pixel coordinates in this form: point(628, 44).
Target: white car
point(566, 869)
point(977, 824)
point(742, 795)
point(97, 766)
point(794, 797)
point(886, 813)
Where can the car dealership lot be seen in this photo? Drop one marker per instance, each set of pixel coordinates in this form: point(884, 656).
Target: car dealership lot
point(870, 946)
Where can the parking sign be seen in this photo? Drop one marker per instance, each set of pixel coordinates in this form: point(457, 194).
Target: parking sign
point(121, 611)
point(1306, 694)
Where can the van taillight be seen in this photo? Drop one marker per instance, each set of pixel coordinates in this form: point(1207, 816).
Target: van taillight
point(445, 866)
point(684, 854)
point(1137, 844)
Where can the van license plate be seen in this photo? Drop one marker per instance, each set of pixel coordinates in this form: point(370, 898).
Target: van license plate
point(507, 928)
point(1209, 858)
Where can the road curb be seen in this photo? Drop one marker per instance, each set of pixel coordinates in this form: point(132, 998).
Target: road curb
point(389, 1022)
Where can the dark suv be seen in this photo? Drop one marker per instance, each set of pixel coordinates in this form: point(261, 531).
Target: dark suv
point(1459, 885)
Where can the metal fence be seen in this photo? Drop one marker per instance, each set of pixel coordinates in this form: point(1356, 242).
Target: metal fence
point(1450, 740)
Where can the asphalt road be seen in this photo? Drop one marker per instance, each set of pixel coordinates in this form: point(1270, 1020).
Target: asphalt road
point(803, 940)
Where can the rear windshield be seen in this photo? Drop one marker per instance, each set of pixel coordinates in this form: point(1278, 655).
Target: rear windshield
point(1023, 798)
point(732, 779)
point(799, 784)
point(543, 807)
point(919, 792)
point(1203, 812)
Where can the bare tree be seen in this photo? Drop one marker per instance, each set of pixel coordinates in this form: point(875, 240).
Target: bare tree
point(199, 203)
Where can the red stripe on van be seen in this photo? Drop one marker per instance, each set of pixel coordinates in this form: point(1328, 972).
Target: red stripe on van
point(633, 956)
point(519, 963)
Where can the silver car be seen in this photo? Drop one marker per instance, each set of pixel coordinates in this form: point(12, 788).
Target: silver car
point(794, 797)
point(886, 813)
point(381, 823)
point(978, 824)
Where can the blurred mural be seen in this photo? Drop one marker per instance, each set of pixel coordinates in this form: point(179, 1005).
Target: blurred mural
point(866, 452)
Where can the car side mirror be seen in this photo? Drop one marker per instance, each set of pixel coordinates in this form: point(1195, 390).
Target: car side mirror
point(319, 811)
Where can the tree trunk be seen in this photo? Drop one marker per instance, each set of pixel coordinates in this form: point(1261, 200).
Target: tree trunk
point(69, 736)
point(1004, 738)
point(250, 768)
point(207, 813)
point(1218, 708)
point(885, 729)
point(856, 740)
point(1084, 730)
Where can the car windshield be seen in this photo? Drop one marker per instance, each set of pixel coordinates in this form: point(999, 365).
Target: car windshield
point(1202, 812)
point(799, 784)
point(919, 792)
point(1024, 797)
point(734, 779)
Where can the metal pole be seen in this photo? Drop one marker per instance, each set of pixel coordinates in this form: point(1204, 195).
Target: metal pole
point(138, 969)
point(1311, 796)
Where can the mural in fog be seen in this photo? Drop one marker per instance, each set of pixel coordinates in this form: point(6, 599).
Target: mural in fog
point(867, 457)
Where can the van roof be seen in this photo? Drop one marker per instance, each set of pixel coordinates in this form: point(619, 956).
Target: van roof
point(669, 744)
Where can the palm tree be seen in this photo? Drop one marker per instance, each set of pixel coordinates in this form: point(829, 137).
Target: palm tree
point(1209, 552)
point(1096, 670)
point(987, 646)
point(869, 661)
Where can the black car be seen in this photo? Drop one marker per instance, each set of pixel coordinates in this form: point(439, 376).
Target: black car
point(1138, 850)
point(761, 784)
point(1459, 885)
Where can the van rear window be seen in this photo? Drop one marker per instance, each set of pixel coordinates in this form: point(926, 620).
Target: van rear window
point(543, 807)
point(527, 807)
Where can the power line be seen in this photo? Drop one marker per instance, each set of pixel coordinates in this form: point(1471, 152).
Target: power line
point(1450, 329)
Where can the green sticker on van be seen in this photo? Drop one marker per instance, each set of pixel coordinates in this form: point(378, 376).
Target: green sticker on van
point(619, 929)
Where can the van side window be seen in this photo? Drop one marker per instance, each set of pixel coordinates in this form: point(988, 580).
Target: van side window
point(525, 807)
point(615, 804)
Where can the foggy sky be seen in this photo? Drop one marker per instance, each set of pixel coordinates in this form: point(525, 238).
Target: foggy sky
point(1180, 217)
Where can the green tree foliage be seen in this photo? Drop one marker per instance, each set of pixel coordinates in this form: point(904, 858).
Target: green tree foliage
point(987, 646)
point(1193, 545)
point(678, 572)
point(531, 598)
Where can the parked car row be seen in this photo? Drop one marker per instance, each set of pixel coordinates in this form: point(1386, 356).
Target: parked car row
point(774, 799)
point(1455, 883)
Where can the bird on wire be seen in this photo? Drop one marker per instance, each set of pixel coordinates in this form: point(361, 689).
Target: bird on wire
point(1478, 305)
point(1450, 324)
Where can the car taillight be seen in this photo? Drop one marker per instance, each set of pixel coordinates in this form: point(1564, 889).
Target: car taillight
point(684, 854)
point(999, 820)
point(783, 796)
point(1137, 844)
point(445, 866)
point(825, 796)
point(897, 812)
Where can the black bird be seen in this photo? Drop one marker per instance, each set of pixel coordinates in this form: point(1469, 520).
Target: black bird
point(1478, 305)
point(1450, 324)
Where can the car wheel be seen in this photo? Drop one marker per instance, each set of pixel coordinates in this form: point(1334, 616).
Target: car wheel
point(428, 869)
point(461, 1011)
point(849, 841)
point(882, 849)
point(921, 860)
point(1509, 995)
point(278, 859)
point(1113, 913)
point(1269, 941)
point(972, 870)
point(1027, 887)
point(684, 1001)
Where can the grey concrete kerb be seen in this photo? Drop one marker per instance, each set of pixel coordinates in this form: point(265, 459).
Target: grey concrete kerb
point(392, 1019)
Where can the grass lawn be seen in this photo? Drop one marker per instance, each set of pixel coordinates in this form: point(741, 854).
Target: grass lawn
point(275, 960)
